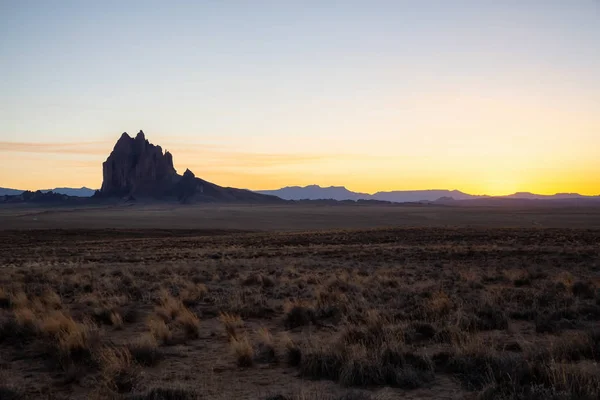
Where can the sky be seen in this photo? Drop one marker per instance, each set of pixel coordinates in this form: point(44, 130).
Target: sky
point(488, 97)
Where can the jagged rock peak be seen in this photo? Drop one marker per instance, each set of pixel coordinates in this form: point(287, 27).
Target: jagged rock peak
point(136, 165)
point(188, 174)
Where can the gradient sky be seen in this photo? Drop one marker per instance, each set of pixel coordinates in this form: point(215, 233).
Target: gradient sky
point(483, 96)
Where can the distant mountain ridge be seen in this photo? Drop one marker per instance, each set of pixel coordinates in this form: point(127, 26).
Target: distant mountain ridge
point(316, 192)
point(76, 192)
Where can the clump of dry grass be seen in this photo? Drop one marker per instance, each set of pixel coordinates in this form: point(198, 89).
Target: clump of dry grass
point(26, 319)
point(193, 293)
point(243, 351)
point(109, 316)
point(189, 322)
point(18, 327)
point(265, 349)
point(51, 300)
point(71, 341)
point(160, 330)
point(145, 350)
point(298, 314)
point(376, 358)
point(292, 351)
point(506, 375)
point(118, 369)
point(18, 299)
point(232, 324)
point(116, 320)
point(258, 280)
point(169, 306)
point(438, 305)
point(486, 317)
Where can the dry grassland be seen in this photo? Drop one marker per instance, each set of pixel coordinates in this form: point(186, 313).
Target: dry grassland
point(417, 313)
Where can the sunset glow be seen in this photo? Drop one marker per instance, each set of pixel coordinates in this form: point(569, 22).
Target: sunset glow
point(484, 97)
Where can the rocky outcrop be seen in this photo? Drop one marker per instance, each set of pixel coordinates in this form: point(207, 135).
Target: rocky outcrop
point(137, 169)
point(137, 166)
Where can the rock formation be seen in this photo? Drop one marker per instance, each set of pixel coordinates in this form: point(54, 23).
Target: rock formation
point(137, 166)
point(137, 169)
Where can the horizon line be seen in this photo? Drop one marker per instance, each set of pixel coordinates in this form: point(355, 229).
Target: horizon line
point(344, 187)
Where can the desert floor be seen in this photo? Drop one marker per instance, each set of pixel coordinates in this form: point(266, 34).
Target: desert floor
point(299, 302)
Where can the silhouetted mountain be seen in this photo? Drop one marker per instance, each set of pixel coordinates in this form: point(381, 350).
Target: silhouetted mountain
point(405, 196)
point(40, 197)
point(315, 192)
point(137, 169)
point(78, 192)
point(557, 196)
point(10, 192)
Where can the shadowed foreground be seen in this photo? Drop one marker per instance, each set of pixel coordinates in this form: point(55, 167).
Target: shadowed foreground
point(373, 314)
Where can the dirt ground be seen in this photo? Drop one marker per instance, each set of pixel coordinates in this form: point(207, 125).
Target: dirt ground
point(498, 304)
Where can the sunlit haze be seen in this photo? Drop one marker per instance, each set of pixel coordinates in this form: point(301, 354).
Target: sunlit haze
point(488, 97)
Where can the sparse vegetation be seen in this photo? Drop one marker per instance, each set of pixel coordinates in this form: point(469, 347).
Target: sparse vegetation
point(502, 314)
point(242, 349)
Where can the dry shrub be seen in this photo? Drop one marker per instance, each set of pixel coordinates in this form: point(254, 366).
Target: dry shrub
point(116, 320)
point(160, 330)
point(298, 314)
point(259, 280)
point(189, 322)
point(118, 369)
point(379, 360)
point(292, 351)
point(108, 316)
point(438, 305)
point(488, 317)
point(19, 327)
point(192, 294)
point(232, 323)
point(71, 341)
point(451, 335)
point(243, 351)
point(578, 381)
point(18, 300)
point(265, 349)
point(571, 347)
point(169, 307)
point(51, 300)
point(419, 331)
point(145, 350)
point(90, 300)
point(26, 319)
